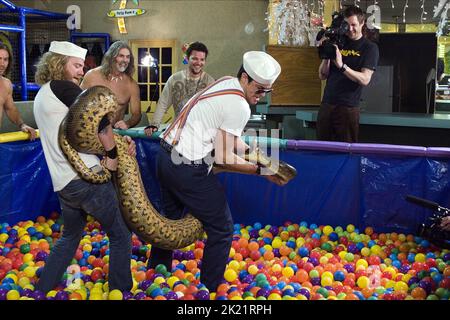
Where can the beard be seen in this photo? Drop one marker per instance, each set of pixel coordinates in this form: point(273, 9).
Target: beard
point(122, 67)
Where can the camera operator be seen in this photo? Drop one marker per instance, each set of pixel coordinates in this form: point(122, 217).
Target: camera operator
point(346, 75)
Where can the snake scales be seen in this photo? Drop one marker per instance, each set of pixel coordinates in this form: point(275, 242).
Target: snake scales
point(79, 132)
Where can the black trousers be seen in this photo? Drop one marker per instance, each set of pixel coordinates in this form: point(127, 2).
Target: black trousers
point(191, 187)
point(337, 123)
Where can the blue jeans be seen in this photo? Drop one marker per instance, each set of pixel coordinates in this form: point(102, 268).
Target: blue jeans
point(78, 199)
point(191, 187)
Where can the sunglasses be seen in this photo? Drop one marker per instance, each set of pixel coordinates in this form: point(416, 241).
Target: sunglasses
point(260, 91)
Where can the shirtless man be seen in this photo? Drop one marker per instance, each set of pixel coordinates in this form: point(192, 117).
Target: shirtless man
point(6, 98)
point(115, 73)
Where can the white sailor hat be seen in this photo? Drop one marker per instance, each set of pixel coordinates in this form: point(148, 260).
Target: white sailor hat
point(262, 67)
point(68, 49)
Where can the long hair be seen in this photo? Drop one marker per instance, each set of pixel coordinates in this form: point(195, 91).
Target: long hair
point(50, 67)
point(6, 48)
point(110, 55)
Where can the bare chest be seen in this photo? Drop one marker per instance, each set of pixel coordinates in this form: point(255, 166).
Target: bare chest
point(120, 89)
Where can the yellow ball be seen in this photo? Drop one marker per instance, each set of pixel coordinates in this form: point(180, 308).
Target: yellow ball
point(172, 280)
point(276, 243)
point(274, 296)
point(327, 274)
point(401, 286)
point(13, 295)
point(376, 249)
point(23, 282)
point(362, 262)
point(252, 269)
point(96, 296)
point(230, 275)
point(232, 253)
point(327, 230)
point(365, 252)
point(159, 280)
point(115, 295)
point(234, 265)
point(276, 267)
point(51, 294)
point(363, 282)
point(326, 281)
point(420, 257)
point(30, 272)
point(3, 237)
point(287, 272)
point(350, 228)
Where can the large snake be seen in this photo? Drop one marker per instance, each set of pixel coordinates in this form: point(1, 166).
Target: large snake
point(79, 132)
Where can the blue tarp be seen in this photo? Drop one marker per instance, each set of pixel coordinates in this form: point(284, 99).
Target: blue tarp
point(335, 188)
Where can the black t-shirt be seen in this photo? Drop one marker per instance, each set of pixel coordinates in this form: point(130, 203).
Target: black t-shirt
point(339, 89)
point(67, 92)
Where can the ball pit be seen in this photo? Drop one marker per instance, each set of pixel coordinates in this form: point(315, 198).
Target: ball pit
point(289, 262)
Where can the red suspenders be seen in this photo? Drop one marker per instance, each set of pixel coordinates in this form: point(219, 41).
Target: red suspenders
point(180, 121)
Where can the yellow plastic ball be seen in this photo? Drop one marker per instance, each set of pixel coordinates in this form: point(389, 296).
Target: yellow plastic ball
point(327, 230)
point(350, 228)
point(274, 296)
point(234, 265)
point(287, 272)
point(276, 243)
point(252, 269)
point(13, 295)
point(326, 281)
point(420, 257)
point(115, 295)
point(230, 275)
point(363, 282)
point(401, 286)
point(362, 262)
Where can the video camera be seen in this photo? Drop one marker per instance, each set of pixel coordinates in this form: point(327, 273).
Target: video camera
point(431, 229)
point(336, 36)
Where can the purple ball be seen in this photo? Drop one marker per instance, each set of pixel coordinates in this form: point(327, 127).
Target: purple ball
point(425, 285)
point(314, 261)
point(446, 257)
point(178, 255)
point(413, 280)
point(273, 230)
point(253, 233)
point(171, 295)
point(248, 279)
point(352, 248)
point(145, 284)
point(189, 255)
point(140, 295)
point(127, 295)
point(315, 281)
point(350, 268)
point(276, 252)
point(38, 295)
point(26, 293)
point(135, 250)
point(263, 292)
point(202, 295)
point(62, 295)
point(305, 292)
point(404, 268)
point(3, 293)
point(41, 256)
point(156, 275)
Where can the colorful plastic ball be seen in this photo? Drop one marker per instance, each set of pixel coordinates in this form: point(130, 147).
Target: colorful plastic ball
point(13, 295)
point(230, 275)
point(115, 295)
